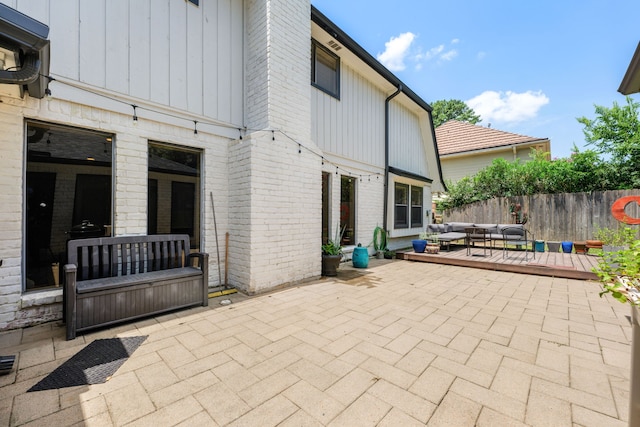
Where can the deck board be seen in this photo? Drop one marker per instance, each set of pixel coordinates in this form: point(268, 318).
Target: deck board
point(558, 264)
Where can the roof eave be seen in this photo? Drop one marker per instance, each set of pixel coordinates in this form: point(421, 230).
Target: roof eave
point(327, 25)
point(496, 148)
point(631, 81)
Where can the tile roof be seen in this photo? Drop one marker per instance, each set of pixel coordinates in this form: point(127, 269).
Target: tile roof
point(458, 137)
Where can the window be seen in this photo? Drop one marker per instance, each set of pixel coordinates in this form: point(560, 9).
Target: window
point(69, 195)
point(326, 197)
point(174, 191)
point(325, 70)
point(348, 210)
point(416, 206)
point(402, 206)
point(408, 206)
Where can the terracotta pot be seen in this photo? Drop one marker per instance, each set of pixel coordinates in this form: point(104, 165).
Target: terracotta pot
point(580, 247)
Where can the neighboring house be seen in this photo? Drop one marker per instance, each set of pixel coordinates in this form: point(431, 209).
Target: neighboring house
point(465, 149)
point(260, 119)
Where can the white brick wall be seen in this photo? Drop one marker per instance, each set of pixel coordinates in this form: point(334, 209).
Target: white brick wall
point(275, 213)
point(130, 205)
point(275, 203)
point(11, 209)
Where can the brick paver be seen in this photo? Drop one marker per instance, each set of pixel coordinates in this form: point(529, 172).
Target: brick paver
point(397, 344)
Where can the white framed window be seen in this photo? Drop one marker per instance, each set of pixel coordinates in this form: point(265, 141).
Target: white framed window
point(408, 202)
point(325, 70)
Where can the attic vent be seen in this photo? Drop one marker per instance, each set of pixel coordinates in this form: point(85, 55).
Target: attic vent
point(333, 45)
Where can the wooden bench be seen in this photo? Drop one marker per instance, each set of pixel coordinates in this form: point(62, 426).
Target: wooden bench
point(111, 280)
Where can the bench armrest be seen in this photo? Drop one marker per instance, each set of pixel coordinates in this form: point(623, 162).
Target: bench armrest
point(70, 299)
point(203, 263)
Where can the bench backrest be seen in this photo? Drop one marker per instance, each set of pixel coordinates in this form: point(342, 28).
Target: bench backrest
point(126, 255)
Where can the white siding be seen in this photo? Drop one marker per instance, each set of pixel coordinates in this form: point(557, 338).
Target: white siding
point(353, 126)
point(406, 145)
point(167, 52)
point(457, 168)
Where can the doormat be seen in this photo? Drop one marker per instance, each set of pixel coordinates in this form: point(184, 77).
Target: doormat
point(94, 364)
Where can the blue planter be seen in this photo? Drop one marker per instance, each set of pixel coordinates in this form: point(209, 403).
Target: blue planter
point(360, 257)
point(419, 245)
point(567, 247)
point(539, 245)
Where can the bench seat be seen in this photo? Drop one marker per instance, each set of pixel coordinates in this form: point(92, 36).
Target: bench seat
point(111, 280)
point(106, 283)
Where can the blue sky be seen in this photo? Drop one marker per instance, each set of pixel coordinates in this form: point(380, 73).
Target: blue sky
point(526, 67)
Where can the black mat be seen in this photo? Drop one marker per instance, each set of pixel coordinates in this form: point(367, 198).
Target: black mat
point(94, 364)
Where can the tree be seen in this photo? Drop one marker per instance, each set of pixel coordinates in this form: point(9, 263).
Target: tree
point(615, 133)
point(453, 109)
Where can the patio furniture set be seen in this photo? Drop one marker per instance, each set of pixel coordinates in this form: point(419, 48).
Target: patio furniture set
point(487, 234)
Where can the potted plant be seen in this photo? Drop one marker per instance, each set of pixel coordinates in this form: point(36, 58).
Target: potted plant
point(389, 254)
point(433, 243)
point(332, 255)
point(619, 273)
point(379, 242)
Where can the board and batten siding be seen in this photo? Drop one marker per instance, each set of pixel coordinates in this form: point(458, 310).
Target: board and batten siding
point(352, 126)
point(169, 52)
point(406, 140)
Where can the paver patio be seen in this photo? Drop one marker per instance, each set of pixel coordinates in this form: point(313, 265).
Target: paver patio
point(397, 344)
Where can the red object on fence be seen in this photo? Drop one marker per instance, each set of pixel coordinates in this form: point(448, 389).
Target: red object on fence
point(618, 209)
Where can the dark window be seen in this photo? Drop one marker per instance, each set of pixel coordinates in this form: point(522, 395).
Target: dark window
point(182, 207)
point(401, 206)
point(325, 70)
point(174, 191)
point(196, 2)
point(416, 206)
point(93, 199)
point(68, 180)
point(152, 207)
point(348, 210)
point(325, 207)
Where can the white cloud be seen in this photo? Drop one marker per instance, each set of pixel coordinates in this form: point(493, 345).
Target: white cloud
point(508, 107)
point(396, 49)
point(455, 41)
point(433, 52)
point(448, 56)
point(481, 55)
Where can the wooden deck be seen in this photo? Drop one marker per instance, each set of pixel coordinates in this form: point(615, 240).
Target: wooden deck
point(570, 266)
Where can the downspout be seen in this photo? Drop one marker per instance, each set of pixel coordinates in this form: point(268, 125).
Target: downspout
point(386, 156)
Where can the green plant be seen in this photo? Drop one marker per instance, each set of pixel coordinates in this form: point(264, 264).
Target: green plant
point(333, 246)
point(379, 239)
point(389, 254)
point(619, 273)
point(615, 237)
point(429, 237)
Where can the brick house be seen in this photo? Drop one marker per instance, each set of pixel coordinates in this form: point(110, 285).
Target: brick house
point(155, 120)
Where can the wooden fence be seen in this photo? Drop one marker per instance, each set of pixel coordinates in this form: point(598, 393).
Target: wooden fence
point(565, 216)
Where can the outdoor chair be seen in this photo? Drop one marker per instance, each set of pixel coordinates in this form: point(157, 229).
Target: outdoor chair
point(476, 235)
point(519, 237)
